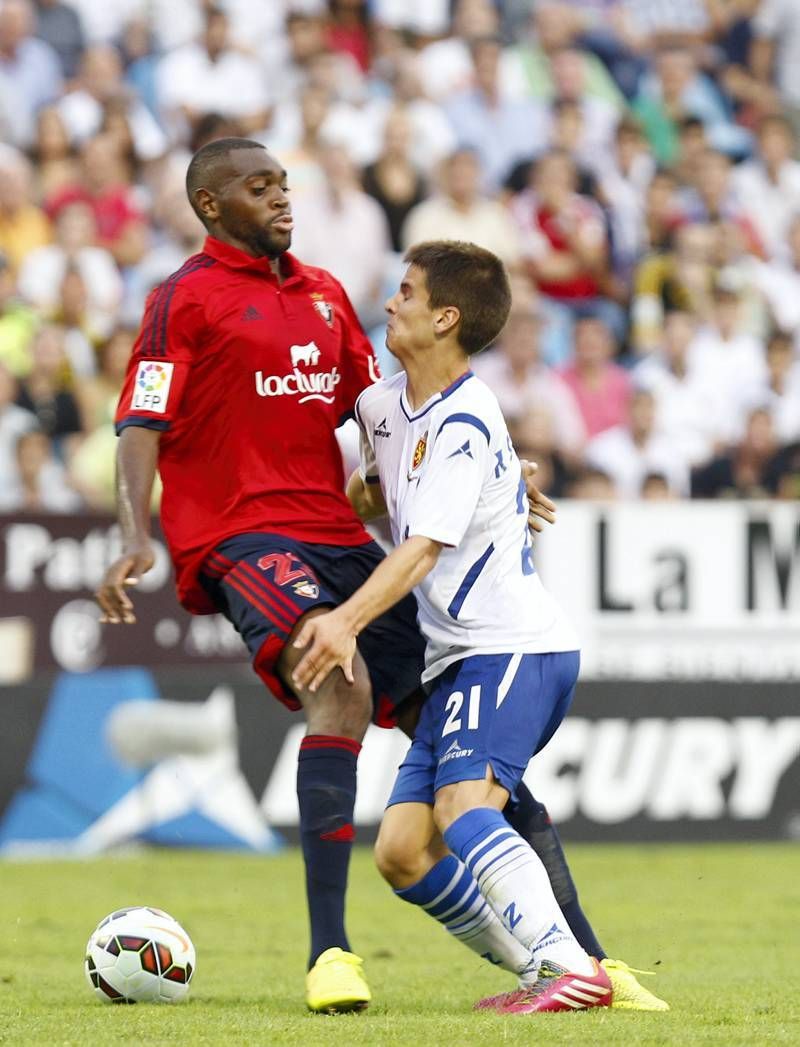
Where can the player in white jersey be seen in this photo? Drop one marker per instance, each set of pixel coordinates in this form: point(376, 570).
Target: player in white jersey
point(502, 661)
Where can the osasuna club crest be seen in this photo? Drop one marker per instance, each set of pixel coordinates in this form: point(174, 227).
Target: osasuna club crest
point(325, 309)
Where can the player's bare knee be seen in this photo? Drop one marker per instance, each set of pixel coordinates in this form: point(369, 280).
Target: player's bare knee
point(397, 862)
point(341, 709)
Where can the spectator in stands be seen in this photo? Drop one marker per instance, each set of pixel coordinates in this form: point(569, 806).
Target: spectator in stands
point(631, 451)
point(656, 488)
point(53, 157)
point(140, 58)
point(100, 84)
point(432, 137)
point(306, 37)
point(514, 372)
point(776, 51)
point(446, 66)
point(347, 30)
point(30, 70)
point(501, 130)
point(592, 485)
point(59, 25)
point(653, 23)
point(779, 282)
point(177, 235)
point(97, 396)
point(45, 391)
point(41, 482)
point(14, 421)
point(676, 89)
point(426, 18)
point(104, 186)
point(624, 174)
point(566, 251)
point(17, 324)
point(73, 316)
point(713, 198)
point(680, 277)
point(393, 180)
point(23, 225)
point(687, 408)
point(692, 148)
point(780, 394)
point(601, 387)
point(568, 70)
point(768, 186)
point(783, 474)
point(553, 27)
point(211, 76)
point(742, 471)
point(723, 356)
point(44, 269)
point(460, 212)
point(324, 234)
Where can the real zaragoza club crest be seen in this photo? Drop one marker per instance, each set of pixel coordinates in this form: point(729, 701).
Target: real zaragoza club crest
point(419, 451)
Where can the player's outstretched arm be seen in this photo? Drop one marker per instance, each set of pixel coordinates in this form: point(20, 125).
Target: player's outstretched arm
point(137, 457)
point(330, 639)
point(541, 509)
point(366, 499)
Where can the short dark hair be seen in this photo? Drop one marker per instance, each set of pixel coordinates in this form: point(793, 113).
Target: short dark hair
point(201, 174)
point(470, 278)
point(776, 122)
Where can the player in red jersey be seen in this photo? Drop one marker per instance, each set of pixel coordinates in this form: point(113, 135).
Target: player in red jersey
point(246, 362)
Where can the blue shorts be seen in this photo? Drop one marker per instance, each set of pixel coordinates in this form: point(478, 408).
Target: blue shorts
point(263, 583)
point(490, 710)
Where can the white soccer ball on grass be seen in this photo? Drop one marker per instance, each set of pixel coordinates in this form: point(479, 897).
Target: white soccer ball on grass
point(139, 955)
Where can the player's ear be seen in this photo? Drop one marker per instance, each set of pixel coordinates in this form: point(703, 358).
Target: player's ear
point(446, 319)
point(206, 204)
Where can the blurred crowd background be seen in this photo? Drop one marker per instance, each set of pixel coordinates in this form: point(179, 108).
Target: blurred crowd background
point(632, 161)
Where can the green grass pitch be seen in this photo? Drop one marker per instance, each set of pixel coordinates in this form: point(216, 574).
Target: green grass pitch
point(718, 923)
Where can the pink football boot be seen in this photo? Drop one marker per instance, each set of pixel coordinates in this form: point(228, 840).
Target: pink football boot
point(554, 990)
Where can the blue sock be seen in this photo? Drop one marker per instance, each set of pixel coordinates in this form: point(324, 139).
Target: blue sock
point(449, 894)
point(532, 822)
point(326, 793)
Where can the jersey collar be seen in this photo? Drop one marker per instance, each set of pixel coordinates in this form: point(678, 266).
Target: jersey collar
point(434, 400)
point(237, 259)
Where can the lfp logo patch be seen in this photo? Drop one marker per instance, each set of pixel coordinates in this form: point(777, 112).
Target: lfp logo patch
point(151, 388)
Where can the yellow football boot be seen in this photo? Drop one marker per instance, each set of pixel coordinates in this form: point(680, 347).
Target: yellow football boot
point(336, 983)
point(629, 995)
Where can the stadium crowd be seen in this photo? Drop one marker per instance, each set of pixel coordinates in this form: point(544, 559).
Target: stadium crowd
point(632, 162)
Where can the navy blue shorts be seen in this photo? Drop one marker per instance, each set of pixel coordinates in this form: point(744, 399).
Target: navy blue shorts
point(263, 583)
point(489, 710)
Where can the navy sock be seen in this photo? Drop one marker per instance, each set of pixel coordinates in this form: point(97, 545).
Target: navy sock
point(326, 793)
point(532, 822)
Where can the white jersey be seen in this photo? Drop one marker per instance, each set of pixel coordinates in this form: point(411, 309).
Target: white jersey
point(448, 472)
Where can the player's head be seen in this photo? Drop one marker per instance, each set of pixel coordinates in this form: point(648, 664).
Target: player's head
point(238, 192)
point(452, 291)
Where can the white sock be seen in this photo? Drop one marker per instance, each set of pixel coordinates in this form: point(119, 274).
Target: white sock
point(514, 882)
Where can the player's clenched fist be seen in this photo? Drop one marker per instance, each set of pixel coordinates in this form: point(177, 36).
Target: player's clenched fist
point(124, 572)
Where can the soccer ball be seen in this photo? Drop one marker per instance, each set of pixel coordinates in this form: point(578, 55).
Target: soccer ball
point(139, 955)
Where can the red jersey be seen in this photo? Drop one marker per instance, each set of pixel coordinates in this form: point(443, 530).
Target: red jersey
point(247, 380)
